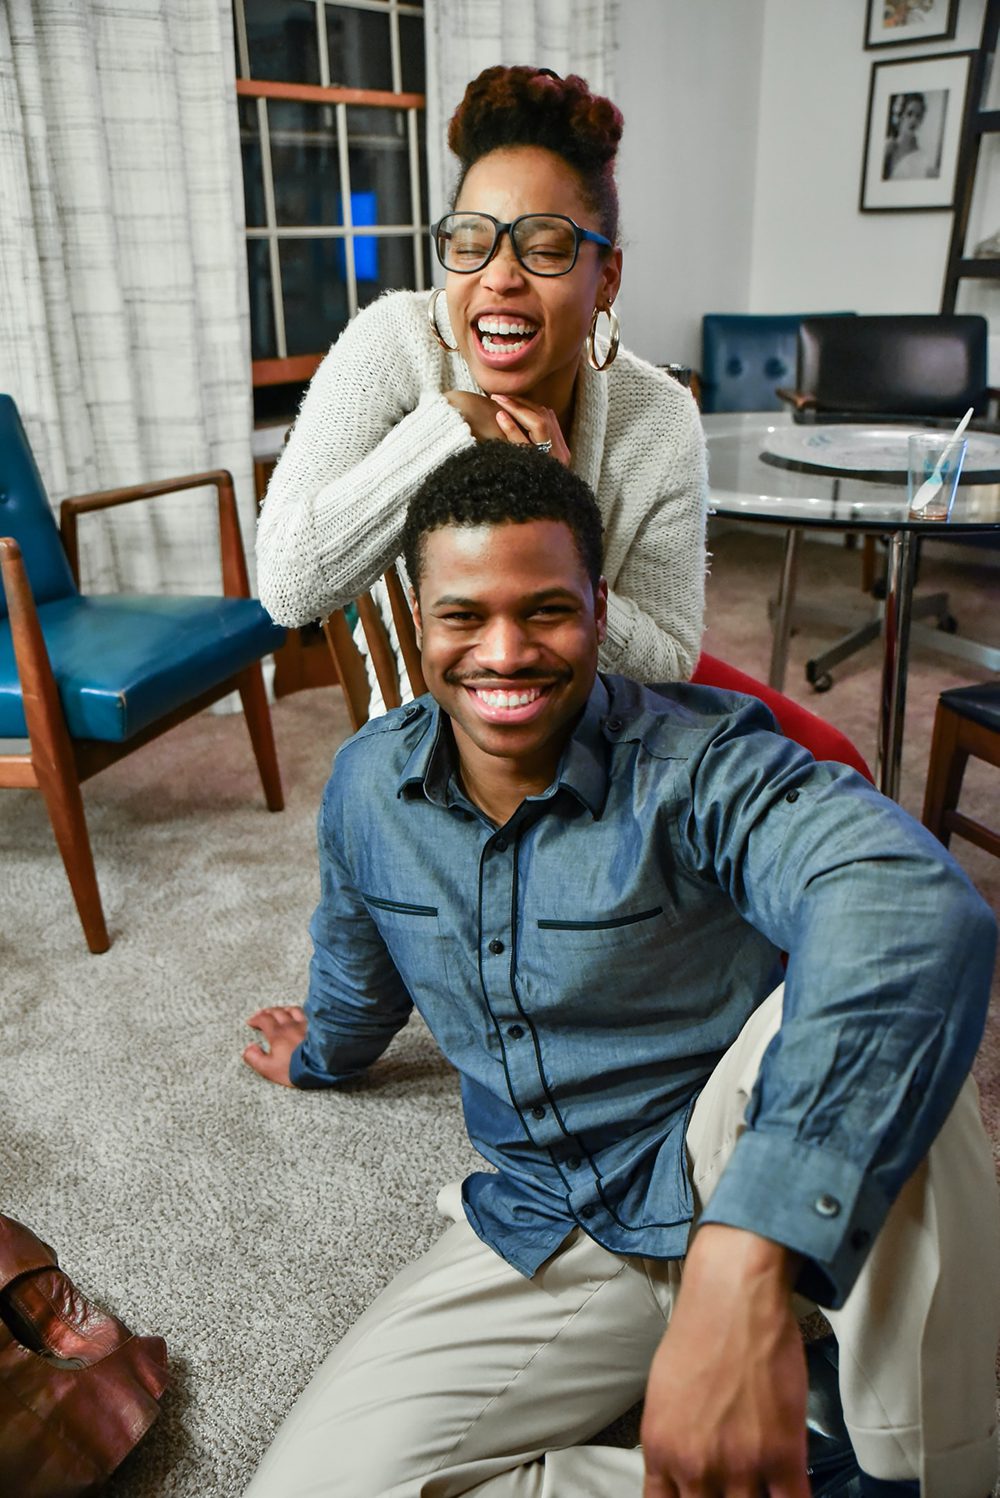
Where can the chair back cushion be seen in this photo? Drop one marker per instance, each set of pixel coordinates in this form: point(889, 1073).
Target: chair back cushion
point(26, 515)
point(899, 365)
point(744, 356)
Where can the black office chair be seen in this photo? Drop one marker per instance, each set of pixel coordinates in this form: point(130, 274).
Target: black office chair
point(890, 368)
point(903, 368)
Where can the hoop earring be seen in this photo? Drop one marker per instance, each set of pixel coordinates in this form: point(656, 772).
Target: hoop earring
point(614, 338)
point(432, 319)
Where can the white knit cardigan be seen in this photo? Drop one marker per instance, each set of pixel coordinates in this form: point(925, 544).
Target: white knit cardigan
point(374, 423)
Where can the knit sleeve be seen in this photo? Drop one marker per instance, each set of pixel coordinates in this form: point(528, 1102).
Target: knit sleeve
point(373, 425)
point(655, 540)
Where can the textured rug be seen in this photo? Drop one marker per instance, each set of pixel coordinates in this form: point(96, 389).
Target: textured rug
point(247, 1224)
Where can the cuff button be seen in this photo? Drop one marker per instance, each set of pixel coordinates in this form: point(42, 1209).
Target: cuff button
point(827, 1205)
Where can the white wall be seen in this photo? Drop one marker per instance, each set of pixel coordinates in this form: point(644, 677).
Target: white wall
point(688, 76)
point(812, 248)
point(740, 168)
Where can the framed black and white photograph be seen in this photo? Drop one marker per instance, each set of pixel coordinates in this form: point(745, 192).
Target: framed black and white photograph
point(906, 23)
point(915, 110)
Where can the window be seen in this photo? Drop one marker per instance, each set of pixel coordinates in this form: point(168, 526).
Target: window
point(331, 114)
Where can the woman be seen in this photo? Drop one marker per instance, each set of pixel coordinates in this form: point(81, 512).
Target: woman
point(532, 265)
point(905, 159)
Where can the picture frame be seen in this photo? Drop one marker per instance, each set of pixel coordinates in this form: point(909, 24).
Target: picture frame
point(907, 23)
point(916, 108)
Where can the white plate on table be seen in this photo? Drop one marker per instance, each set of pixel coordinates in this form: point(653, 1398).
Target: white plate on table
point(870, 452)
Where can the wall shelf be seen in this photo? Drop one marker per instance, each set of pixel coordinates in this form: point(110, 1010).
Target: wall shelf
point(979, 126)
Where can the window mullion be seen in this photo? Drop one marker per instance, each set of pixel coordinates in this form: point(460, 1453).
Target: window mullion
point(346, 211)
point(242, 42)
point(418, 209)
point(271, 220)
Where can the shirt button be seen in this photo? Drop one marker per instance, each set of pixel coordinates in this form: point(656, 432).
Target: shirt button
point(501, 845)
point(496, 946)
point(827, 1205)
point(538, 1112)
point(587, 1212)
point(614, 725)
point(573, 1162)
point(515, 1031)
point(792, 796)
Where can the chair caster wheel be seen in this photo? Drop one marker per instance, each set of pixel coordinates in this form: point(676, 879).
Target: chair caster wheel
point(948, 623)
point(820, 681)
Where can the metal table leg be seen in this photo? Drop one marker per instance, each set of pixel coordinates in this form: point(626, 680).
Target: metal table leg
point(896, 641)
point(783, 612)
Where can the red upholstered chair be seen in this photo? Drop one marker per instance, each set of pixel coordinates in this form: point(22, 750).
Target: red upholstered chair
point(821, 738)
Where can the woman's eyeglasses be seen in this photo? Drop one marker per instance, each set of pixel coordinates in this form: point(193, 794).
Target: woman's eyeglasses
point(546, 244)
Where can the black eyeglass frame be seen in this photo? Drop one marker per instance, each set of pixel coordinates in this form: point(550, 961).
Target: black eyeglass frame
point(580, 236)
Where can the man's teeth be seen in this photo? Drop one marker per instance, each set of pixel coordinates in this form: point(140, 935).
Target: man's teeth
point(497, 698)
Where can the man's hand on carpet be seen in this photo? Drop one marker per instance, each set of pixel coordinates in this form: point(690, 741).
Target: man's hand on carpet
point(283, 1027)
point(726, 1398)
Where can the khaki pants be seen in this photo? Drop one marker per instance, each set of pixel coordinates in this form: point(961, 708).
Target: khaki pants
point(464, 1377)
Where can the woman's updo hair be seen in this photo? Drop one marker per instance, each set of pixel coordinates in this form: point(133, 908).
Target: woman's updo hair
point(522, 106)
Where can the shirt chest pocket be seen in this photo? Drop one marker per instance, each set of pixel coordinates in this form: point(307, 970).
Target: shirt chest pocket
point(629, 929)
point(600, 966)
point(417, 945)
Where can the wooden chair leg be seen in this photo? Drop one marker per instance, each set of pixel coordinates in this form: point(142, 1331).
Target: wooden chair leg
point(65, 807)
point(261, 730)
point(945, 772)
point(52, 758)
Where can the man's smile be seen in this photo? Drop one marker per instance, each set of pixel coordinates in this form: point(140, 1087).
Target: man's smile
point(514, 702)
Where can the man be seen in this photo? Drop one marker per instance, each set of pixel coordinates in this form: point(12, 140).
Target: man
point(585, 886)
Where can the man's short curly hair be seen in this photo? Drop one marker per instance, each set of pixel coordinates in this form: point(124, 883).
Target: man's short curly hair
point(520, 106)
point(499, 483)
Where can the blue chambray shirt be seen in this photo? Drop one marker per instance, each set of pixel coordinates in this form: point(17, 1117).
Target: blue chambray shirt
point(585, 966)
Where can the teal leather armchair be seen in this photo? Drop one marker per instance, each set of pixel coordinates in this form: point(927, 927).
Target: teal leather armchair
point(87, 679)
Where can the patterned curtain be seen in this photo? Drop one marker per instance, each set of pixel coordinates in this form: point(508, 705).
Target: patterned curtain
point(124, 325)
point(465, 36)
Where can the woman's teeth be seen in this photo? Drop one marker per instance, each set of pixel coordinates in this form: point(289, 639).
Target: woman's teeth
point(501, 335)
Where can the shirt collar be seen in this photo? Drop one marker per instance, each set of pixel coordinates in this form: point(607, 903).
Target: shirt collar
point(583, 769)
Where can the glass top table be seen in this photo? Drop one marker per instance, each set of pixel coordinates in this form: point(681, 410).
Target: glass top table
point(762, 466)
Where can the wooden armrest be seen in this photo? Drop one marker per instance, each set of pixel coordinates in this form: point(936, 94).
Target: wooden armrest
point(235, 579)
point(800, 399)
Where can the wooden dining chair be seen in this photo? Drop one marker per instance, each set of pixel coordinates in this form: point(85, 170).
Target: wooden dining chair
point(350, 662)
point(967, 722)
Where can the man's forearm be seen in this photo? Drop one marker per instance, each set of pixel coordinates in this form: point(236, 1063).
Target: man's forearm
point(726, 1397)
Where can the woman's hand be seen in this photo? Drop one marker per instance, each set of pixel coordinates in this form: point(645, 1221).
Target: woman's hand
point(509, 418)
point(527, 423)
point(479, 413)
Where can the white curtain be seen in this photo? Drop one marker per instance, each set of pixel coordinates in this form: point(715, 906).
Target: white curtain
point(124, 325)
point(465, 36)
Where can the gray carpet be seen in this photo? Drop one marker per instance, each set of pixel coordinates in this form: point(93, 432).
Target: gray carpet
point(247, 1224)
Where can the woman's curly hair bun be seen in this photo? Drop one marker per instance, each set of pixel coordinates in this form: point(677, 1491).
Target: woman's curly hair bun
point(525, 106)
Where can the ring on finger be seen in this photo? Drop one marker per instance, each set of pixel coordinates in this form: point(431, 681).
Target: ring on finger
point(544, 447)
